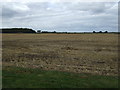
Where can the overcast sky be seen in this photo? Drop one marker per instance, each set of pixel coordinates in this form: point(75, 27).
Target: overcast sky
point(61, 16)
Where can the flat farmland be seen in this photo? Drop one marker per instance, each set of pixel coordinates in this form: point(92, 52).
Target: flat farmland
point(78, 53)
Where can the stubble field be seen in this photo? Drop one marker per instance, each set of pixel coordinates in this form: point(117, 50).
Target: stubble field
point(78, 53)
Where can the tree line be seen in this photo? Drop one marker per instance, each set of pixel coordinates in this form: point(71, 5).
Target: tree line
point(28, 30)
point(17, 30)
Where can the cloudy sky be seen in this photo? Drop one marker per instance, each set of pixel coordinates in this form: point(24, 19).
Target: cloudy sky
point(61, 16)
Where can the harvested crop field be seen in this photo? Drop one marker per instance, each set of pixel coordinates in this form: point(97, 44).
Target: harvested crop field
point(78, 53)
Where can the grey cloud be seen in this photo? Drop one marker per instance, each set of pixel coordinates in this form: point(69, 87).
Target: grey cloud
point(8, 13)
point(61, 16)
point(10, 9)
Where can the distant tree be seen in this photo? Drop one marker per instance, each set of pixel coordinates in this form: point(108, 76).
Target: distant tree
point(106, 31)
point(45, 32)
point(100, 31)
point(94, 32)
point(38, 31)
point(54, 31)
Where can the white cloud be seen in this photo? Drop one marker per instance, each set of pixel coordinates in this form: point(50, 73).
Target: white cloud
point(15, 6)
point(60, 16)
point(54, 1)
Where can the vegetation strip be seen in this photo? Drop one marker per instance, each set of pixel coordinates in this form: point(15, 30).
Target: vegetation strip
point(17, 77)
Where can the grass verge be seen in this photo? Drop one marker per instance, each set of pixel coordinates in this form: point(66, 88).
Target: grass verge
point(17, 77)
